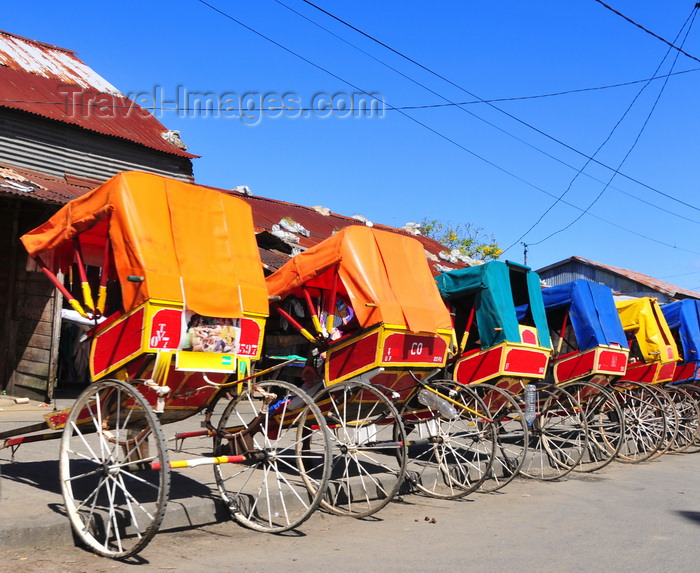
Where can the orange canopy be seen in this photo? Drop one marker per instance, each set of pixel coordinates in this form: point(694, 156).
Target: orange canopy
point(185, 240)
point(384, 275)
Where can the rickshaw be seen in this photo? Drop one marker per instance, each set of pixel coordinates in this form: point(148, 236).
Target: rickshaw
point(652, 363)
point(503, 351)
point(377, 332)
point(683, 318)
point(590, 351)
point(179, 315)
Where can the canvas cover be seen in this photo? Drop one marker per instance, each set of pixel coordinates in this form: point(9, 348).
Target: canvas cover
point(496, 314)
point(385, 270)
point(684, 316)
point(592, 312)
point(190, 243)
point(643, 317)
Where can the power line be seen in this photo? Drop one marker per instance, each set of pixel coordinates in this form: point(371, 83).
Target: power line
point(680, 275)
point(448, 104)
point(443, 78)
point(459, 105)
point(541, 96)
point(425, 126)
point(691, 19)
point(434, 131)
point(671, 45)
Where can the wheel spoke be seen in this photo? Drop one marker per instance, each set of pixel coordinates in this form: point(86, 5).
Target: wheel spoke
point(280, 483)
point(117, 503)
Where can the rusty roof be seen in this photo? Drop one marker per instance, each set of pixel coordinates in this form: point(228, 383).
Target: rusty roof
point(267, 213)
point(321, 223)
point(42, 187)
point(646, 280)
point(53, 82)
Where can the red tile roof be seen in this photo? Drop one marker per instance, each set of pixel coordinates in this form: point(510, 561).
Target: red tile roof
point(54, 83)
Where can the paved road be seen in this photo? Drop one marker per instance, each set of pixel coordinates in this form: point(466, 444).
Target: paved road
point(624, 518)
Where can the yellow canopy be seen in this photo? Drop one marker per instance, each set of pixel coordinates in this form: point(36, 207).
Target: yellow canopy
point(643, 318)
point(385, 276)
point(186, 241)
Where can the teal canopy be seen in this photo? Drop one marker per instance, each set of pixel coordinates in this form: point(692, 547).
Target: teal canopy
point(505, 295)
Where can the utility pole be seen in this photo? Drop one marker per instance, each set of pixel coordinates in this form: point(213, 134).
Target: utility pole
point(524, 253)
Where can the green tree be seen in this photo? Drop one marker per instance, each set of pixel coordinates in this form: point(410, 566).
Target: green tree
point(469, 240)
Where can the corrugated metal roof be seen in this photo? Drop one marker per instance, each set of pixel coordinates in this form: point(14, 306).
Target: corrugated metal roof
point(646, 280)
point(31, 184)
point(271, 259)
point(267, 213)
point(52, 82)
point(321, 223)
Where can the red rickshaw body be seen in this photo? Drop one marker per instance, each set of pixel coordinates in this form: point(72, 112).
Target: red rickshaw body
point(507, 359)
point(384, 277)
point(188, 272)
point(599, 363)
point(500, 319)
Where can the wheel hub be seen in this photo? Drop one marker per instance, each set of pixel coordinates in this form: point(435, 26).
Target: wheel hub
point(348, 449)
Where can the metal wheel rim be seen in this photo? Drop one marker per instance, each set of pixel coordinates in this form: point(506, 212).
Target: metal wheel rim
point(280, 484)
point(511, 437)
point(558, 437)
point(368, 445)
point(645, 423)
point(126, 502)
point(605, 421)
point(463, 449)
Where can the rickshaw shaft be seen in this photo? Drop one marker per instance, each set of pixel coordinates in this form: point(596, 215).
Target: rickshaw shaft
point(217, 460)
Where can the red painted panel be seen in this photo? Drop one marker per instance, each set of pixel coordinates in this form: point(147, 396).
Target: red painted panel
point(494, 401)
point(411, 348)
point(479, 366)
point(666, 372)
point(573, 367)
point(118, 342)
point(612, 361)
point(528, 336)
point(527, 362)
point(188, 390)
point(640, 372)
point(688, 371)
point(398, 381)
point(250, 337)
point(166, 326)
point(355, 356)
point(510, 385)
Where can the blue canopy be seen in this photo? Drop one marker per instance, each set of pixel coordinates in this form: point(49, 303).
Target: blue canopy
point(592, 312)
point(683, 316)
point(491, 286)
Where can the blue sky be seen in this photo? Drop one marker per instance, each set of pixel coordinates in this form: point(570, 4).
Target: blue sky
point(498, 165)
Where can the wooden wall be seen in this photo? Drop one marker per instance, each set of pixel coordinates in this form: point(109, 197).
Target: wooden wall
point(30, 325)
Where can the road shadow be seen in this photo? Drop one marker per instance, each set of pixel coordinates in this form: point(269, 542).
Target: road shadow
point(43, 476)
point(690, 515)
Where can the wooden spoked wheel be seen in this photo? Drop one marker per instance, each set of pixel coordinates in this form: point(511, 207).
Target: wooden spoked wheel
point(368, 447)
point(451, 443)
point(114, 469)
point(284, 446)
